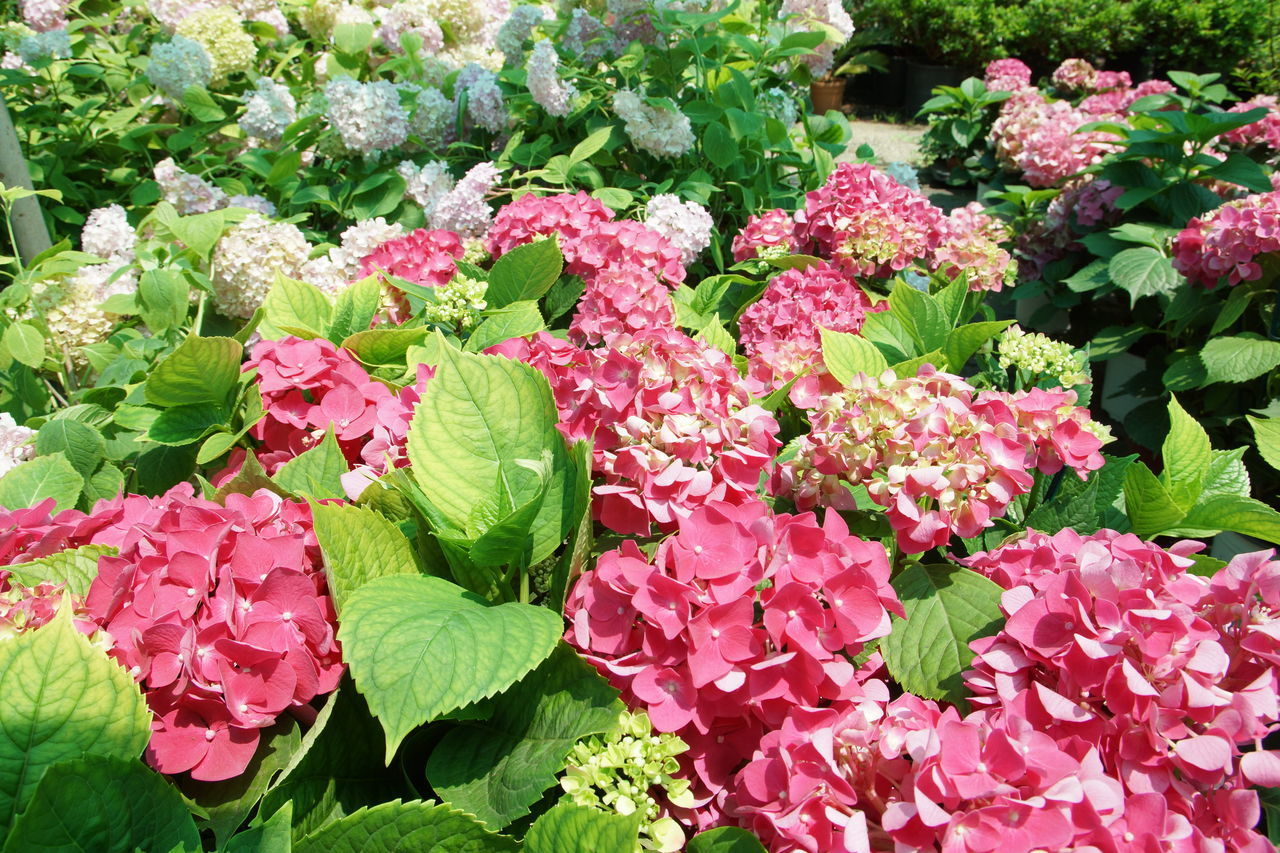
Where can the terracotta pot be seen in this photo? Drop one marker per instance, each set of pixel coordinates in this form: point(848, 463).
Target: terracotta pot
point(827, 95)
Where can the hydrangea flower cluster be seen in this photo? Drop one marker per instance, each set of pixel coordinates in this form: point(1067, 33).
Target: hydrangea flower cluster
point(622, 299)
point(620, 243)
point(778, 103)
point(409, 17)
point(827, 16)
point(1041, 355)
point(15, 443)
point(739, 616)
point(585, 37)
point(970, 244)
point(1007, 75)
point(531, 217)
point(940, 458)
point(24, 608)
point(269, 110)
point(431, 118)
point(630, 20)
point(554, 95)
point(779, 332)
point(367, 116)
point(311, 387)
point(44, 15)
point(773, 231)
point(458, 304)
point(1263, 133)
point(674, 425)
point(1229, 242)
point(425, 257)
point(188, 193)
point(1076, 76)
point(1084, 202)
point(359, 241)
point(426, 184)
point(622, 771)
point(177, 64)
point(686, 224)
point(220, 31)
point(464, 210)
point(1041, 139)
point(247, 259)
point(516, 30)
point(53, 44)
point(485, 105)
point(70, 308)
point(221, 613)
point(661, 131)
point(108, 234)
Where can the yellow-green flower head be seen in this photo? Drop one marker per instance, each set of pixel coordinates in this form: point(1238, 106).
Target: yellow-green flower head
point(458, 304)
point(221, 33)
point(1042, 355)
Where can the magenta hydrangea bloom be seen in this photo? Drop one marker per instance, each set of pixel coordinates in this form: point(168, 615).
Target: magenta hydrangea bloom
point(621, 243)
point(423, 257)
point(1041, 138)
point(532, 217)
point(737, 617)
point(1263, 133)
point(621, 300)
point(1228, 243)
point(772, 230)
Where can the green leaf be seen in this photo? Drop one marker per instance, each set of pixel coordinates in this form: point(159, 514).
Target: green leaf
point(483, 418)
point(1186, 453)
point(352, 38)
point(406, 827)
point(512, 321)
point(717, 335)
point(354, 309)
point(847, 355)
point(198, 100)
point(1237, 301)
point(1266, 433)
point(1239, 359)
point(587, 148)
point(43, 477)
point(200, 370)
point(921, 315)
point(1114, 340)
point(420, 647)
point(1237, 513)
point(164, 296)
point(964, 341)
point(571, 828)
point(1226, 475)
point(200, 232)
point(718, 145)
point(316, 473)
point(75, 567)
point(1090, 277)
point(83, 445)
point(295, 305)
point(1150, 507)
point(163, 467)
point(359, 544)
point(61, 698)
point(1143, 271)
point(384, 346)
point(498, 768)
point(215, 446)
point(889, 336)
point(947, 608)
point(25, 343)
point(911, 367)
point(726, 839)
point(186, 424)
point(526, 272)
point(274, 835)
point(106, 804)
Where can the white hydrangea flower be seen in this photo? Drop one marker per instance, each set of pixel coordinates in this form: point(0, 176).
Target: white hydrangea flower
point(367, 116)
point(548, 90)
point(686, 224)
point(431, 118)
point(462, 55)
point(324, 273)
point(44, 15)
point(256, 203)
point(811, 14)
point(177, 64)
point(469, 21)
point(516, 30)
point(269, 110)
point(585, 37)
point(662, 131)
point(185, 191)
point(359, 241)
point(247, 258)
point(317, 17)
point(485, 105)
point(464, 210)
point(426, 184)
point(108, 234)
point(15, 443)
point(410, 16)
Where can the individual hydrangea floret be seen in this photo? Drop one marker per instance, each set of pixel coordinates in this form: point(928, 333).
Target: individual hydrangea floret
point(1042, 356)
point(15, 443)
point(367, 116)
point(631, 769)
point(247, 260)
point(516, 30)
point(464, 209)
point(177, 64)
point(187, 192)
point(1229, 243)
point(686, 224)
point(554, 95)
point(108, 234)
point(661, 131)
point(772, 230)
point(270, 109)
point(221, 33)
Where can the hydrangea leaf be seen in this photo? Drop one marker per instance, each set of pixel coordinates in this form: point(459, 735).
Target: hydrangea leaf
point(1150, 507)
point(1143, 271)
point(1266, 432)
point(847, 355)
point(921, 315)
point(25, 343)
point(511, 321)
point(359, 544)
point(571, 828)
point(180, 425)
point(61, 698)
point(486, 417)
point(384, 346)
point(407, 827)
point(524, 273)
point(83, 445)
point(106, 804)
point(75, 567)
point(1236, 513)
point(316, 473)
point(43, 477)
point(1186, 453)
point(420, 647)
point(498, 768)
point(964, 341)
point(354, 309)
point(274, 835)
point(200, 370)
point(1238, 359)
point(295, 305)
point(947, 607)
point(726, 839)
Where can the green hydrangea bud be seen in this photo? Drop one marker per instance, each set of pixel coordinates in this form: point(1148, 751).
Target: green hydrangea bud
point(458, 304)
point(1042, 356)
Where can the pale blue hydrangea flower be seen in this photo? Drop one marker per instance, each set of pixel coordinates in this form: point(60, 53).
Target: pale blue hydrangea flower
point(177, 64)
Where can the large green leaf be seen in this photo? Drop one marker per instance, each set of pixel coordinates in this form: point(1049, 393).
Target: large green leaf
point(420, 647)
point(1186, 454)
point(354, 309)
point(200, 370)
point(964, 341)
point(83, 445)
point(524, 273)
point(726, 839)
point(498, 768)
point(316, 473)
point(273, 835)
point(1143, 271)
point(75, 567)
point(921, 315)
point(180, 425)
point(571, 828)
point(406, 827)
point(1266, 432)
point(847, 355)
point(1150, 507)
point(1238, 359)
point(511, 321)
point(1236, 513)
point(947, 607)
point(61, 698)
point(25, 343)
point(485, 419)
point(359, 544)
point(295, 308)
point(43, 477)
point(103, 804)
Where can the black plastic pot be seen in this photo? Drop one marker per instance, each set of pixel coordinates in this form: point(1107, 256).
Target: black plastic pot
point(921, 79)
point(880, 88)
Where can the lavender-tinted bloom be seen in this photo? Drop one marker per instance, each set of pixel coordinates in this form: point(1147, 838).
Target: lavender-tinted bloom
point(663, 132)
point(516, 30)
point(177, 64)
point(548, 90)
point(426, 184)
point(367, 116)
point(464, 210)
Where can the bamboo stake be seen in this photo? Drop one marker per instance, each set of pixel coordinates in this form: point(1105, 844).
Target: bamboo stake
point(29, 229)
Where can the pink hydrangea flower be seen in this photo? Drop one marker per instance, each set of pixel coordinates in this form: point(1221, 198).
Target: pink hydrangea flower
point(423, 257)
point(532, 217)
point(1229, 242)
point(623, 242)
point(774, 230)
point(621, 300)
point(1263, 133)
point(970, 245)
point(1041, 139)
point(1077, 76)
point(1007, 75)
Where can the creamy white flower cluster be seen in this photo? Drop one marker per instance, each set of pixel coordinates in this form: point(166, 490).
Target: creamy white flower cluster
point(458, 304)
point(1042, 355)
point(177, 64)
point(686, 224)
point(15, 443)
point(554, 95)
point(662, 131)
point(187, 192)
point(367, 116)
point(108, 234)
point(426, 184)
point(332, 271)
point(410, 17)
point(269, 110)
point(221, 33)
point(247, 259)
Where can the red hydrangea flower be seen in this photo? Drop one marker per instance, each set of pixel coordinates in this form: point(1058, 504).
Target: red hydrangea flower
point(738, 616)
point(772, 230)
point(532, 217)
